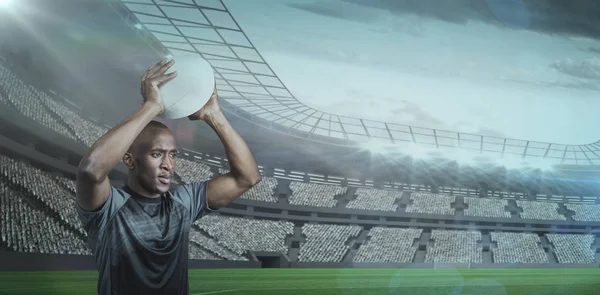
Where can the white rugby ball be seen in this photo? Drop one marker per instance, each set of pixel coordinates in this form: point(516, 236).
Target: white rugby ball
point(190, 90)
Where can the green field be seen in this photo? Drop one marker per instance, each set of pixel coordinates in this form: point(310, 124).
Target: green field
point(335, 281)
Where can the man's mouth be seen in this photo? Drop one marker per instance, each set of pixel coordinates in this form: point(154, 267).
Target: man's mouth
point(164, 179)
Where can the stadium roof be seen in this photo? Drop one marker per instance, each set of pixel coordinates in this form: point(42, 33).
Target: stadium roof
point(249, 84)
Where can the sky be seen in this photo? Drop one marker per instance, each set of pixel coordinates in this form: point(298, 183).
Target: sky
point(484, 67)
point(522, 69)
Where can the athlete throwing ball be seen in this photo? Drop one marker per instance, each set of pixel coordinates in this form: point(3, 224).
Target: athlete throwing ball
point(139, 233)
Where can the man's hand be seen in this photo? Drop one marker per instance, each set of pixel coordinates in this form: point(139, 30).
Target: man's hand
point(211, 108)
point(152, 79)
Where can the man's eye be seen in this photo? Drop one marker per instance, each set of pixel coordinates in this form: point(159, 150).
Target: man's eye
point(156, 155)
point(173, 156)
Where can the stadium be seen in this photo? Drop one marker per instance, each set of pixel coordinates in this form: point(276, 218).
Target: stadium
point(364, 199)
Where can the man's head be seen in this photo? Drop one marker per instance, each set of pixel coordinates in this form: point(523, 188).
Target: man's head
point(151, 160)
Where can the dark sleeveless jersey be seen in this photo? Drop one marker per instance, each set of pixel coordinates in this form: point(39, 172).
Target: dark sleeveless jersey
point(140, 244)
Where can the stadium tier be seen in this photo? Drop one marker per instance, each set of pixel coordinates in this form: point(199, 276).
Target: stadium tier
point(38, 215)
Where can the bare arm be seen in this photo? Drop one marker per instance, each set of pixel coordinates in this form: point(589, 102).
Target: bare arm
point(92, 183)
point(244, 174)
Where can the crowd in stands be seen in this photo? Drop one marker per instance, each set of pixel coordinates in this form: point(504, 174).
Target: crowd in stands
point(326, 242)
point(429, 203)
point(197, 252)
point(539, 210)
point(242, 234)
point(27, 229)
point(584, 213)
point(313, 194)
point(264, 191)
point(375, 199)
point(569, 248)
point(21, 97)
point(84, 130)
point(44, 188)
point(37, 210)
point(389, 245)
point(213, 246)
point(517, 248)
point(454, 246)
point(482, 207)
point(192, 171)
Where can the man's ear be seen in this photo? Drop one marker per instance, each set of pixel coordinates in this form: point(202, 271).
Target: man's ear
point(128, 160)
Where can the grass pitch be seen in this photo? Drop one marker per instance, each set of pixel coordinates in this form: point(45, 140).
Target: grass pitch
point(335, 281)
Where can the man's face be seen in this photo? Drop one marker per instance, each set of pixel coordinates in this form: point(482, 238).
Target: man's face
point(155, 162)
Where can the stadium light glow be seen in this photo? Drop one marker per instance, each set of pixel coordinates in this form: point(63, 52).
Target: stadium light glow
point(5, 3)
point(137, 26)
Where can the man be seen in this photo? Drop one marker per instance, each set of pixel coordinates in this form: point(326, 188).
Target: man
point(140, 233)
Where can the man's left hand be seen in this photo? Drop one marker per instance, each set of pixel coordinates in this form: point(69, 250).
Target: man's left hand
point(211, 108)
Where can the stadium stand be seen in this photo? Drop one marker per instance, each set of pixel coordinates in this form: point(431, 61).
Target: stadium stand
point(389, 245)
point(431, 204)
point(191, 171)
point(23, 100)
point(213, 246)
point(483, 207)
point(326, 242)
point(85, 131)
point(242, 234)
point(517, 248)
point(313, 194)
point(375, 199)
point(454, 246)
point(584, 212)
point(27, 229)
point(196, 252)
point(572, 248)
point(539, 210)
point(44, 187)
point(263, 191)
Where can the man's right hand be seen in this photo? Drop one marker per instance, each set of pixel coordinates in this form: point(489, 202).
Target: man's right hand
point(152, 79)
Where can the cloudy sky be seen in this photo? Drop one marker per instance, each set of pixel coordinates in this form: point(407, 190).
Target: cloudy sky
point(501, 68)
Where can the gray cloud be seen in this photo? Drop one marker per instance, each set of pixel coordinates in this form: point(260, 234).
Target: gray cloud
point(337, 9)
point(586, 69)
point(581, 17)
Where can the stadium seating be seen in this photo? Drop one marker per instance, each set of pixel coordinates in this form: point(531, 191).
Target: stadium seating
point(454, 246)
point(389, 245)
point(196, 252)
point(85, 131)
point(429, 203)
point(312, 194)
point(539, 210)
point(584, 212)
point(213, 246)
point(572, 248)
point(21, 98)
point(263, 191)
point(375, 199)
point(242, 234)
point(517, 248)
point(483, 207)
point(27, 229)
point(191, 171)
point(326, 242)
point(44, 187)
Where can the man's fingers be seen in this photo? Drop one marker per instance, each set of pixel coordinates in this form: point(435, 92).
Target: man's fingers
point(163, 79)
point(164, 68)
point(152, 70)
point(167, 77)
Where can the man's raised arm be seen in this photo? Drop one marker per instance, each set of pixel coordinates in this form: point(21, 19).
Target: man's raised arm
point(244, 174)
point(93, 186)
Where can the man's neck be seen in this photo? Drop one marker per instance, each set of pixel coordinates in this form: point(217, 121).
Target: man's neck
point(138, 189)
